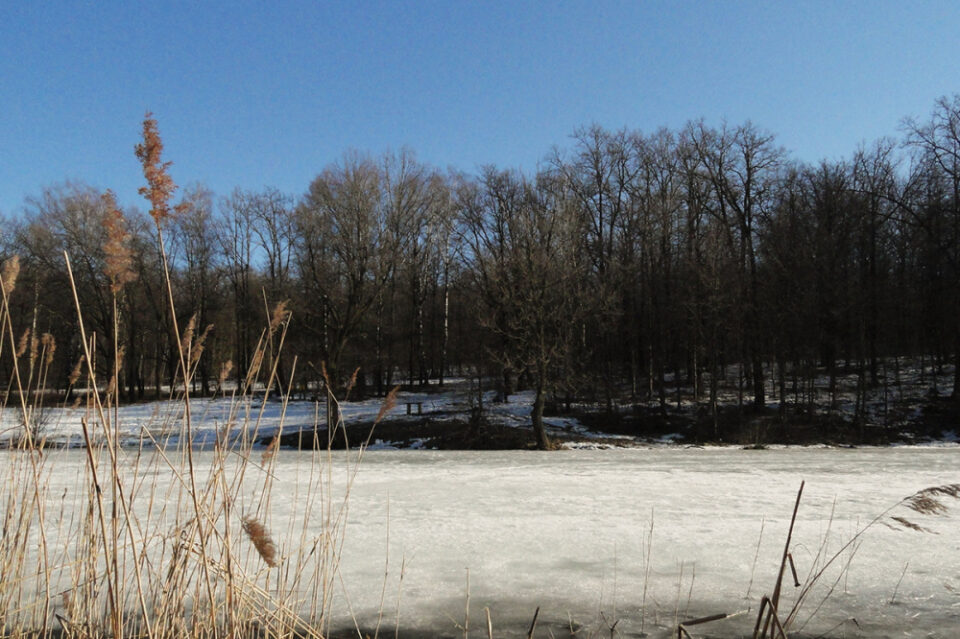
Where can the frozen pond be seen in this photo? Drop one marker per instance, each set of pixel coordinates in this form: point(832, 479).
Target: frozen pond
point(570, 531)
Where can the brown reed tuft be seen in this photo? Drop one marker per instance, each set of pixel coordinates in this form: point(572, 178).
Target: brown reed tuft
point(160, 186)
point(279, 316)
point(352, 381)
point(270, 451)
point(75, 373)
point(929, 500)
point(906, 523)
point(116, 249)
point(326, 376)
point(49, 347)
point(23, 342)
point(225, 369)
point(34, 348)
point(9, 273)
point(187, 339)
point(258, 534)
point(197, 349)
point(255, 363)
point(389, 402)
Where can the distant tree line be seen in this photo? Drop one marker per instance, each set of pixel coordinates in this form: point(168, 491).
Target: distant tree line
point(627, 260)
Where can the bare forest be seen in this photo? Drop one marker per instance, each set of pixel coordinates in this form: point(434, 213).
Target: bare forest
point(631, 270)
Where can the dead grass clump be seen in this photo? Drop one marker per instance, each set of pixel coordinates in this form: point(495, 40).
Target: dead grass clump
point(136, 541)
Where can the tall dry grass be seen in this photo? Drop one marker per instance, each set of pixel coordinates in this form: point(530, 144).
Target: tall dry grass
point(121, 540)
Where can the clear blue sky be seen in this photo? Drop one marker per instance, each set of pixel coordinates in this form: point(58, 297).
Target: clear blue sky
point(267, 93)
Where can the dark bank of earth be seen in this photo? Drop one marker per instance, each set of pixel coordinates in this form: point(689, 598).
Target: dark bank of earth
point(926, 420)
point(438, 431)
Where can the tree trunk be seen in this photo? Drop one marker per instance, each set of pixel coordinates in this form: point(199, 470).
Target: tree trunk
point(539, 430)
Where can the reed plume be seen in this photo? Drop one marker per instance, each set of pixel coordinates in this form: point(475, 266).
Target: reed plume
point(9, 273)
point(116, 248)
point(187, 339)
point(49, 347)
point(279, 316)
point(257, 533)
point(23, 342)
point(225, 369)
point(75, 373)
point(160, 186)
point(196, 350)
point(389, 402)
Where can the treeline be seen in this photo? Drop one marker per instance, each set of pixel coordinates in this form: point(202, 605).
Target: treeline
point(628, 260)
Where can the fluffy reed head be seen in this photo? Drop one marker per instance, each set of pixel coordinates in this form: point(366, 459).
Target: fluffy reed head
point(196, 350)
point(186, 340)
point(270, 451)
point(118, 256)
point(352, 381)
point(23, 342)
point(9, 274)
point(225, 369)
point(389, 402)
point(75, 373)
point(326, 375)
point(930, 501)
point(49, 347)
point(279, 316)
point(160, 186)
point(258, 535)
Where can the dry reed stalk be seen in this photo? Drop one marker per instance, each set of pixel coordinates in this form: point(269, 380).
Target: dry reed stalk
point(775, 599)
point(116, 613)
point(158, 191)
point(647, 555)
point(533, 624)
point(929, 501)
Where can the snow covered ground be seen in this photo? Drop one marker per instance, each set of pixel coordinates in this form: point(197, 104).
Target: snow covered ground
point(569, 532)
point(894, 403)
point(250, 416)
point(621, 541)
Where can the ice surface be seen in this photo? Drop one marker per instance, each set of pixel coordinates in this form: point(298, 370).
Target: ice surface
point(568, 531)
